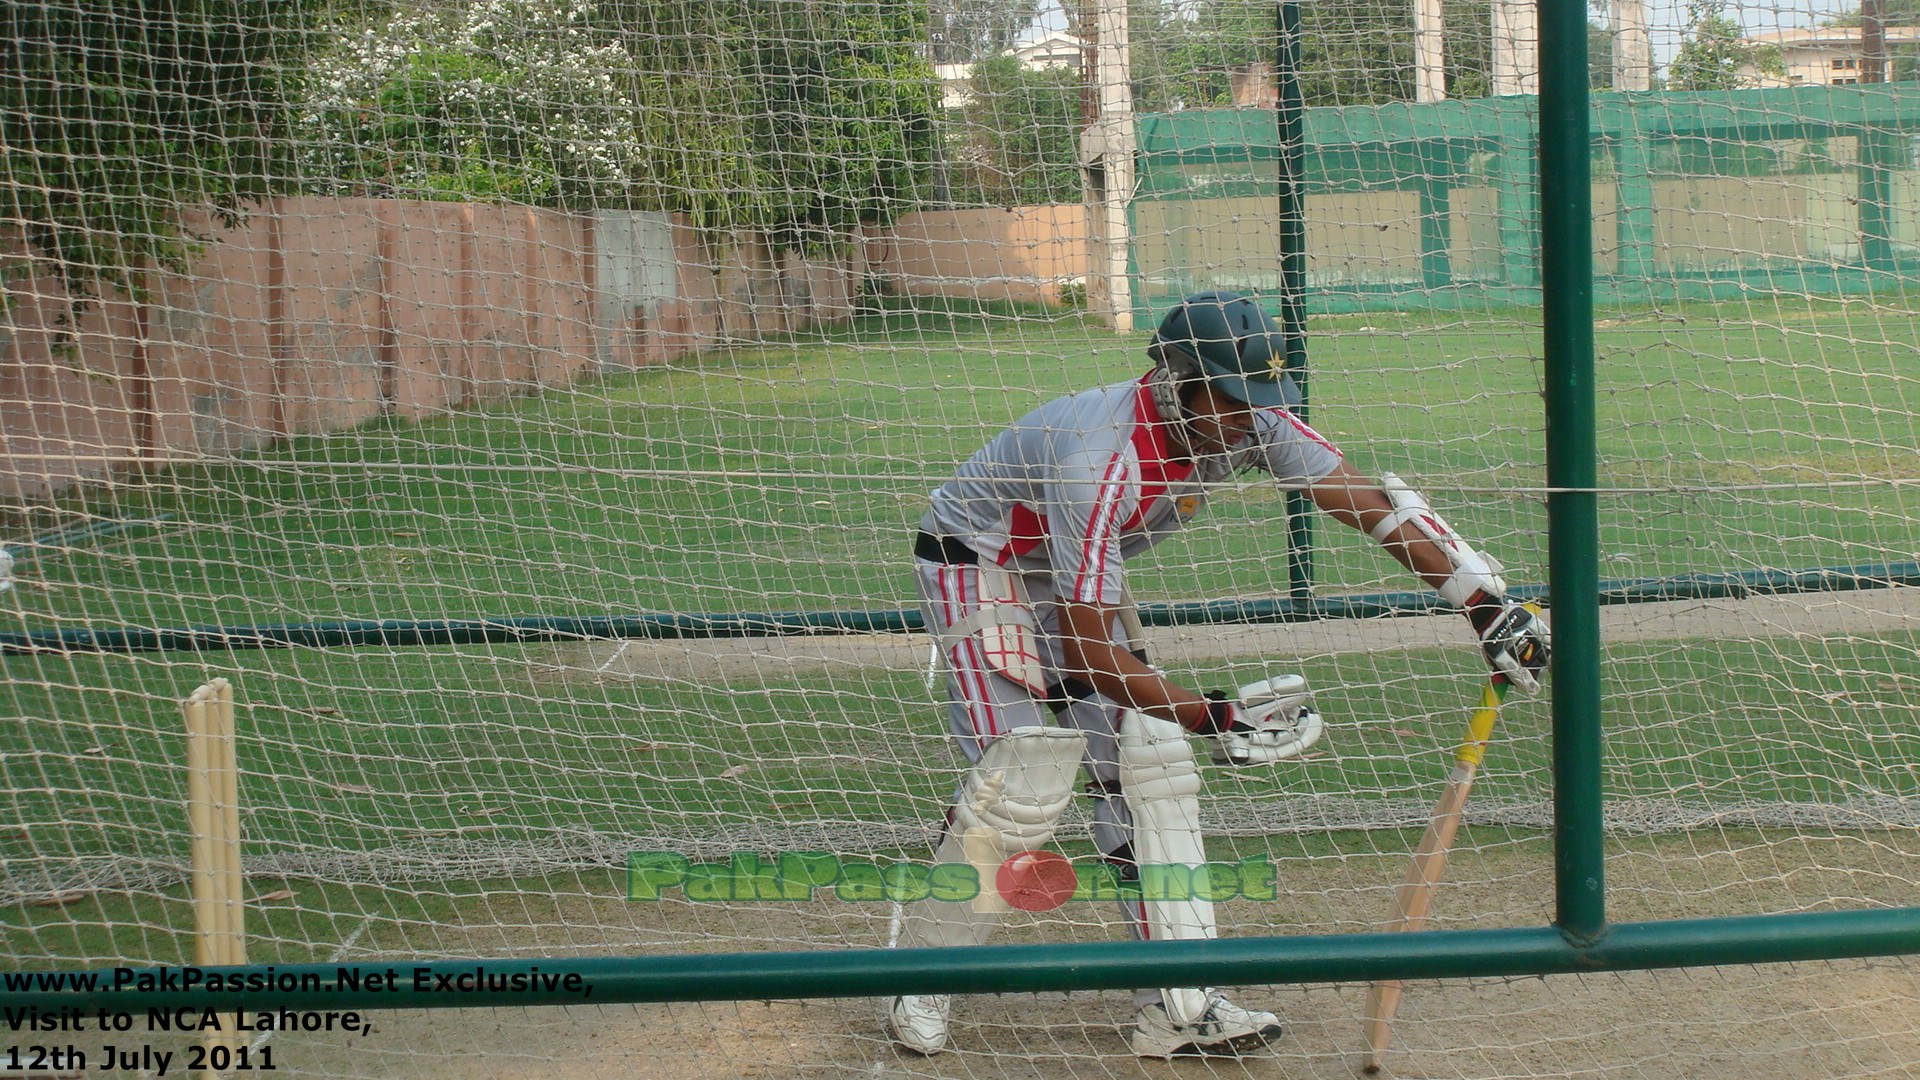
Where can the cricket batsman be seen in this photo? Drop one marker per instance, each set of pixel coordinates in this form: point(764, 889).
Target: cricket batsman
point(1021, 564)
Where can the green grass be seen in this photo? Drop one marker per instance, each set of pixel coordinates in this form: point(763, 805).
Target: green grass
point(787, 476)
point(354, 751)
point(784, 476)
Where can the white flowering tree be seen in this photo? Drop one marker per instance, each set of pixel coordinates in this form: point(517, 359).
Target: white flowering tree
point(796, 117)
point(510, 99)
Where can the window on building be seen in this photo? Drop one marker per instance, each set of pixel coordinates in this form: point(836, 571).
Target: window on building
point(1846, 63)
point(1843, 82)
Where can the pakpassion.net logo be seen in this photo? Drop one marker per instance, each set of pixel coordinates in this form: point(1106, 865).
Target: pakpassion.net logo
point(1029, 881)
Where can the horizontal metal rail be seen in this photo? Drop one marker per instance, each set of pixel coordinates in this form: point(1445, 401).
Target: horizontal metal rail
point(844, 973)
point(667, 626)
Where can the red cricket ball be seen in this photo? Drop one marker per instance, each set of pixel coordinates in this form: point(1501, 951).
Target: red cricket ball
point(1035, 880)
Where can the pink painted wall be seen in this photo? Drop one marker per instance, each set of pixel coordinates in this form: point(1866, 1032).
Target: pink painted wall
point(332, 296)
point(209, 345)
point(72, 392)
point(317, 314)
point(1022, 254)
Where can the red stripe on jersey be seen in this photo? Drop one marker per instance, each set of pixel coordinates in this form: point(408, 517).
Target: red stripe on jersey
point(1100, 531)
point(1157, 467)
point(1302, 428)
point(1026, 530)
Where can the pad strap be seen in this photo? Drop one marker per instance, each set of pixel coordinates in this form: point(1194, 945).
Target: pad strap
point(1006, 625)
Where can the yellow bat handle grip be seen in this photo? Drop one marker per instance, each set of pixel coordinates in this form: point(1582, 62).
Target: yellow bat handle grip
point(1480, 724)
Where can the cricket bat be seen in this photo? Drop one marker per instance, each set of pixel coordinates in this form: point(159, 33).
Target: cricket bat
point(1414, 898)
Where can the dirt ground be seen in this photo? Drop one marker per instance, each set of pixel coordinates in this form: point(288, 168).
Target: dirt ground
point(1812, 615)
point(1800, 1022)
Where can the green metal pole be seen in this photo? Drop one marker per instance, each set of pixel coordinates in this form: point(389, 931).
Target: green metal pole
point(1880, 152)
point(1291, 114)
point(1573, 543)
point(842, 973)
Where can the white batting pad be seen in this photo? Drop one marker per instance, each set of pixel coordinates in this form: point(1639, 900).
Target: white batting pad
point(1162, 787)
point(1011, 801)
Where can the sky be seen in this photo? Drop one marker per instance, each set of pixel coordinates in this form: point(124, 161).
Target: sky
point(1666, 19)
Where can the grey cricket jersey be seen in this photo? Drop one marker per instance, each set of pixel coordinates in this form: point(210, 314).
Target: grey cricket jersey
point(1080, 485)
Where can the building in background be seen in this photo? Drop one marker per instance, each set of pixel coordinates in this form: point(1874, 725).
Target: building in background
point(1826, 55)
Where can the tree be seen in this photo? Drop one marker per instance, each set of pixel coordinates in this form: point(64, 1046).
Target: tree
point(118, 115)
point(842, 114)
point(1020, 135)
point(801, 120)
point(502, 99)
point(964, 31)
point(1599, 57)
point(1184, 55)
point(1716, 54)
point(1356, 52)
point(1353, 52)
point(1469, 61)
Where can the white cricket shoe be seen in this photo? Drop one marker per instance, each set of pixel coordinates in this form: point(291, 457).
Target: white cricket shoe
point(1227, 1030)
point(919, 1022)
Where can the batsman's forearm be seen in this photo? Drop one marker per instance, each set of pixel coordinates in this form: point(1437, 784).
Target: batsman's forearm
point(1420, 555)
point(1120, 675)
point(1358, 502)
point(1090, 653)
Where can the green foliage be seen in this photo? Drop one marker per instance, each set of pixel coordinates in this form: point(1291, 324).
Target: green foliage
point(1599, 57)
point(679, 77)
point(1020, 131)
point(841, 113)
point(964, 31)
point(1469, 53)
point(1184, 55)
point(502, 100)
point(1353, 52)
point(801, 120)
point(118, 115)
point(1356, 52)
point(1716, 54)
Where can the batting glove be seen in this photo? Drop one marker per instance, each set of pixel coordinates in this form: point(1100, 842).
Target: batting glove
point(1267, 722)
point(1516, 638)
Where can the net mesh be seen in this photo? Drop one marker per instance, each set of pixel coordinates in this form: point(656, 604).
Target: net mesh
point(325, 316)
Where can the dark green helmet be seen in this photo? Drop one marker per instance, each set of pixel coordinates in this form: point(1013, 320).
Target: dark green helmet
point(1227, 339)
